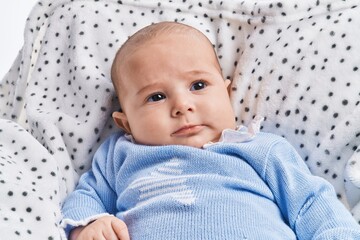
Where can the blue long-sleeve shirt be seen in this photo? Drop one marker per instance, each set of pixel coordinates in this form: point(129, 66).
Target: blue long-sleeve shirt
point(258, 189)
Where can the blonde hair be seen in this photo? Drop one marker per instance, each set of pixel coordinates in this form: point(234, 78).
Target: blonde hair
point(147, 34)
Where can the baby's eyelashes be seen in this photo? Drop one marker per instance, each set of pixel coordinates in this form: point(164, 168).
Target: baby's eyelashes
point(198, 85)
point(156, 97)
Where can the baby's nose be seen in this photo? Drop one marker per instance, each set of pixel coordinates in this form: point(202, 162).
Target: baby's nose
point(182, 107)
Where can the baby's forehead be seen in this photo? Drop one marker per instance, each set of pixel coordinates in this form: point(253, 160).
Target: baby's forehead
point(163, 38)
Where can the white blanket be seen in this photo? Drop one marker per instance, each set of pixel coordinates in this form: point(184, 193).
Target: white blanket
point(295, 62)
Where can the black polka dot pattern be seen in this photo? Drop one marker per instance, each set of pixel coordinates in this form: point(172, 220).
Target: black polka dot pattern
point(294, 62)
point(303, 77)
point(30, 186)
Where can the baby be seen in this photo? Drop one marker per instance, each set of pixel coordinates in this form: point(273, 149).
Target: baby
point(184, 170)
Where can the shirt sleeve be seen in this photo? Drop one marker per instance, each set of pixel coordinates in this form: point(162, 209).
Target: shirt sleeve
point(94, 196)
point(307, 202)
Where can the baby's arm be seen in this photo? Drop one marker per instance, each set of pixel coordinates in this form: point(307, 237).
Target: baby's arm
point(108, 227)
point(94, 196)
point(308, 203)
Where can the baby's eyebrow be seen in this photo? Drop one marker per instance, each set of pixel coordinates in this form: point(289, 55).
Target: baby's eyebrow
point(198, 75)
point(148, 87)
point(191, 74)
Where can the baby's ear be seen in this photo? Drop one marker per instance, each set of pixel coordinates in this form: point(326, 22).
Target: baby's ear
point(121, 121)
point(227, 83)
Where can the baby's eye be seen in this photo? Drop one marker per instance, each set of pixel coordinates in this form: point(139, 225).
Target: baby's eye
point(156, 97)
point(198, 86)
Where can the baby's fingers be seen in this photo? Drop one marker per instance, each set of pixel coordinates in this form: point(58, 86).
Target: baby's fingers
point(120, 229)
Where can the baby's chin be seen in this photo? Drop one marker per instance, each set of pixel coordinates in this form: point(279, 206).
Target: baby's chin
point(195, 144)
point(196, 141)
point(199, 143)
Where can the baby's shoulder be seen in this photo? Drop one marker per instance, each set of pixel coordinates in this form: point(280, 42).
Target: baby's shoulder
point(267, 138)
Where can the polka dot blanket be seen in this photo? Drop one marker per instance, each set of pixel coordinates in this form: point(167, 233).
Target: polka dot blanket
point(294, 62)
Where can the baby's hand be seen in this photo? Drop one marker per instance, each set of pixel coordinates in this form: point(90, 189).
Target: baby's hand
point(107, 228)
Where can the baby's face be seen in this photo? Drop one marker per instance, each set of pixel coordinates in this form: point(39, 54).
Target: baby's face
point(174, 93)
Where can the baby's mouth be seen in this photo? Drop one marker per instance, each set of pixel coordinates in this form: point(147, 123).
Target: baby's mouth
point(187, 130)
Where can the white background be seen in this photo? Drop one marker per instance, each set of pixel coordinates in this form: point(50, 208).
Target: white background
point(13, 14)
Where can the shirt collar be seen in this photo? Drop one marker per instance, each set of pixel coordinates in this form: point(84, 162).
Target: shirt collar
point(240, 134)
